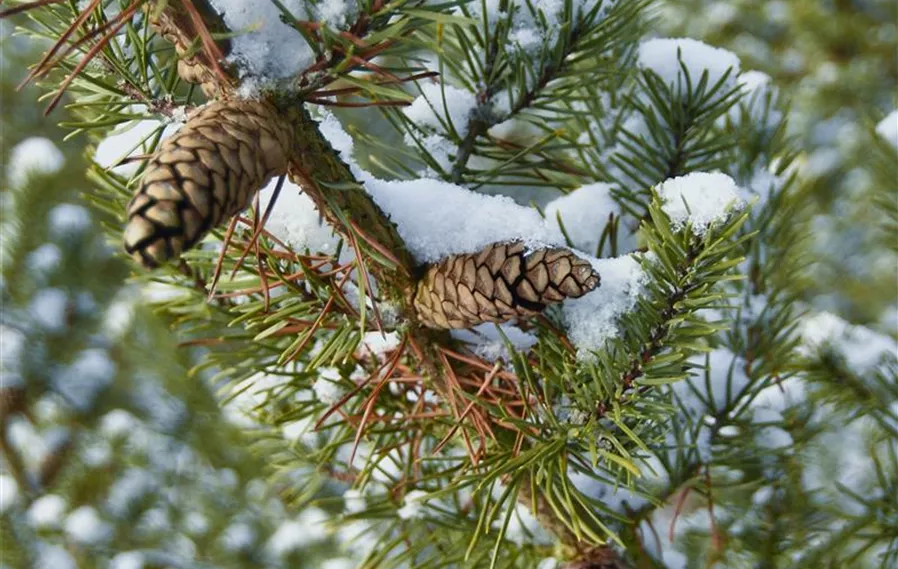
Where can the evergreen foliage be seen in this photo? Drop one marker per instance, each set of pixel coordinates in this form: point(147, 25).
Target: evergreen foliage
point(695, 410)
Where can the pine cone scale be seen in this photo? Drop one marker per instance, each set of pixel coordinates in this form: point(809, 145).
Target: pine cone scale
point(203, 174)
point(498, 284)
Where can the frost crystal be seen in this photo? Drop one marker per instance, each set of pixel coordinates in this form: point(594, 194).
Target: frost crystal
point(699, 198)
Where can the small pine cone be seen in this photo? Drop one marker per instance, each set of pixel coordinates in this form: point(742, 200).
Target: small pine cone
point(202, 175)
point(499, 283)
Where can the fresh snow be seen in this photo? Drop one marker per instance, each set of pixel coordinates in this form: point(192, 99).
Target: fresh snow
point(295, 220)
point(592, 318)
point(666, 57)
point(700, 199)
point(265, 47)
point(34, 155)
point(584, 213)
point(440, 106)
point(488, 342)
point(413, 505)
point(327, 391)
point(888, 128)
point(437, 219)
point(861, 347)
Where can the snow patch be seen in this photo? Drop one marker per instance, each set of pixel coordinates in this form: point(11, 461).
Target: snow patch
point(699, 199)
point(442, 108)
point(667, 57)
point(266, 48)
point(487, 341)
point(592, 319)
point(584, 213)
point(296, 221)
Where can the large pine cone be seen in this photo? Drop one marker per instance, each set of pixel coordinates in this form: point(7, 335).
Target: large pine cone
point(499, 283)
point(202, 175)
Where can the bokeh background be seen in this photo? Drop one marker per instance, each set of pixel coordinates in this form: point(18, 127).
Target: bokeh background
point(109, 380)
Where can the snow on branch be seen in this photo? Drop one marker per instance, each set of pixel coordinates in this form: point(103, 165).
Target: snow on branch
point(669, 57)
point(699, 200)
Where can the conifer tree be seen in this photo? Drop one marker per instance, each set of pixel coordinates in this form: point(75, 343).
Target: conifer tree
point(500, 284)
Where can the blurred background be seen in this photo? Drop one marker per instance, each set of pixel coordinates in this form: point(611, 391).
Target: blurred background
point(108, 379)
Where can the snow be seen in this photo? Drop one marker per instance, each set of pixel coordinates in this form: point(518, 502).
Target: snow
point(487, 341)
point(85, 526)
point(295, 220)
point(238, 537)
point(85, 378)
point(666, 57)
point(47, 511)
point(584, 213)
point(327, 391)
point(354, 501)
point(888, 128)
point(68, 220)
point(117, 423)
point(699, 199)
point(714, 386)
point(861, 347)
point(9, 492)
point(437, 219)
point(288, 537)
point(54, 557)
point(48, 309)
point(129, 139)
point(44, 259)
point(524, 528)
point(339, 563)
point(442, 114)
point(196, 523)
point(266, 48)
point(34, 155)
point(379, 343)
point(293, 535)
point(617, 498)
point(592, 319)
point(127, 560)
point(413, 505)
point(128, 489)
point(535, 22)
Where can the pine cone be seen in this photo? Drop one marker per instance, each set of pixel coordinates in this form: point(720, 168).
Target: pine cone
point(498, 284)
point(202, 175)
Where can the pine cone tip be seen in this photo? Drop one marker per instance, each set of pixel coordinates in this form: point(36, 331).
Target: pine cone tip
point(500, 283)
